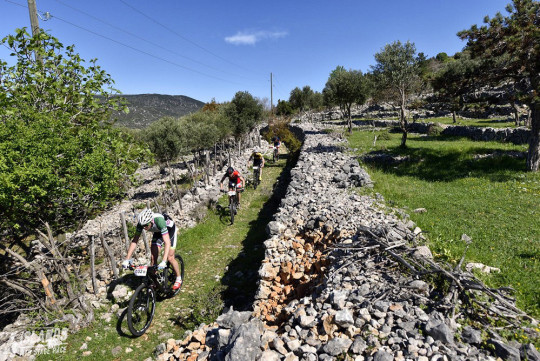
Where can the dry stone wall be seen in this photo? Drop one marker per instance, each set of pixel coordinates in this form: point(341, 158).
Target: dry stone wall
point(324, 292)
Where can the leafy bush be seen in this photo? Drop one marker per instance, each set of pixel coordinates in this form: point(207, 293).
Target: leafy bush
point(59, 162)
point(281, 129)
point(434, 130)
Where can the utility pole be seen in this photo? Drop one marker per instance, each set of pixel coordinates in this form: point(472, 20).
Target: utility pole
point(34, 23)
point(271, 96)
point(33, 17)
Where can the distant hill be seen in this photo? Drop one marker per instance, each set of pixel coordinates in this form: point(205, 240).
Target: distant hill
point(145, 109)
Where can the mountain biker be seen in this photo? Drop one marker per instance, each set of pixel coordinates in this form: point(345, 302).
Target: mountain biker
point(164, 233)
point(235, 181)
point(258, 161)
point(276, 141)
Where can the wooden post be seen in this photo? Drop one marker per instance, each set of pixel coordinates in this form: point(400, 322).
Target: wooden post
point(214, 162)
point(178, 196)
point(124, 227)
point(92, 264)
point(109, 252)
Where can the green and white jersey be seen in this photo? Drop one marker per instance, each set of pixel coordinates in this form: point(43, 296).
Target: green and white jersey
point(160, 225)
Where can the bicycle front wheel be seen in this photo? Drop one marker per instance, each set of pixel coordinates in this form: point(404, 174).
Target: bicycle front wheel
point(232, 209)
point(141, 310)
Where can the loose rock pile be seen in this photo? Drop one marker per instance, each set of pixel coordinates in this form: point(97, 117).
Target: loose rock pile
point(327, 291)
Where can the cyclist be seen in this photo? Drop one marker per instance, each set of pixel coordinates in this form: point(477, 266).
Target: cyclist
point(235, 181)
point(164, 233)
point(258, 161)
point(276, 141)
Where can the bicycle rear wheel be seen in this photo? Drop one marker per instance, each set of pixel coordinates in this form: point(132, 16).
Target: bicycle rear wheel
point(256, 179)
point(232, 209)
point(171, 276)
point(141, 310)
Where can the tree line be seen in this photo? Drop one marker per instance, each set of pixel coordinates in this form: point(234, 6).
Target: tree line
point(504, 53)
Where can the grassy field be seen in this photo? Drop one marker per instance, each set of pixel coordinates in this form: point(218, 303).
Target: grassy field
point(470, 122)
point(466, 191)
point(222, 262)
point(501, 122)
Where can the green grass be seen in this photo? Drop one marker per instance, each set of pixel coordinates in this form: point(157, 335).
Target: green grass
point(213, 252)
point(493, 200)
point(492, 123)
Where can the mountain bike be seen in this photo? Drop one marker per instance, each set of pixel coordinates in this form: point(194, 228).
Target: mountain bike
point(256, 176)
point(155, 283)
point(275, 154)
point(233, 201)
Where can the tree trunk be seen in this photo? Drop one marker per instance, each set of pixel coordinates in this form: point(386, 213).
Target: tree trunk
point(533, 155)
point(516, 113)
point(124, 228)
point(453, 116)
point(403, 124)
point(349, 119)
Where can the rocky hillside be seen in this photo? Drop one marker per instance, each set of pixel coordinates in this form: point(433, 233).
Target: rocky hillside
point(147, 108)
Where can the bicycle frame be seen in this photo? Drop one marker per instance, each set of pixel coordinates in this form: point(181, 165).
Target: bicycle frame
point(151, 277)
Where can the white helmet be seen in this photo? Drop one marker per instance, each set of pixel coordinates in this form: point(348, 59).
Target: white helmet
point(146, 216)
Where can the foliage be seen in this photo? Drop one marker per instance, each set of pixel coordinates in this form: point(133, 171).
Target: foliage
point(283, 107)
point(53, 171)
point(345, 88)
point(281, 129)
point(166, 139)
point(58, 81)
point(509, 49)
point(455, 80)
point(305, 99)
point(58, 161)
point(205, 307)
point(397, 76)
point(211, 107)
point(244, 112)
point(170, 138)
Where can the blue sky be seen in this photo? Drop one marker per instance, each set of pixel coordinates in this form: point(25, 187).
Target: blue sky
point(212, 49)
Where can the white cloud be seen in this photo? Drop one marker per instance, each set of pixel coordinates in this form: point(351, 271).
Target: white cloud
point(251, 38)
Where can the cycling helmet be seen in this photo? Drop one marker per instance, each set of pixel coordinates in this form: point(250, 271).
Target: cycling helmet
point(146, 216)
point(230, 170)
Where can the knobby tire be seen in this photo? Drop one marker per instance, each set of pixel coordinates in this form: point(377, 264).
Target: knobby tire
point(142, 307)
point(232, 209)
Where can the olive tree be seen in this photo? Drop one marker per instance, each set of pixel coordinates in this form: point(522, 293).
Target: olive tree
point(397, 76)
point(454, 81)
point(345, 88)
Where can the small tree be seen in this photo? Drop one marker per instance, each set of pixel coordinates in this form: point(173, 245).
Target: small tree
point(455, 80)
point(345, 88)
point(508, 47)
point(397, 77)
point(244, 112)
point(58, 82)
point(283, 107)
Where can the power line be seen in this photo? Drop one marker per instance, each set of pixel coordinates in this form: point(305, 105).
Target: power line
point(135, 49)
point(181, 36)
point(143, 39)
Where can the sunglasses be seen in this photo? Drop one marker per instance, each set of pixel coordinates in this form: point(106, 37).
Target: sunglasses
point(147, 225)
